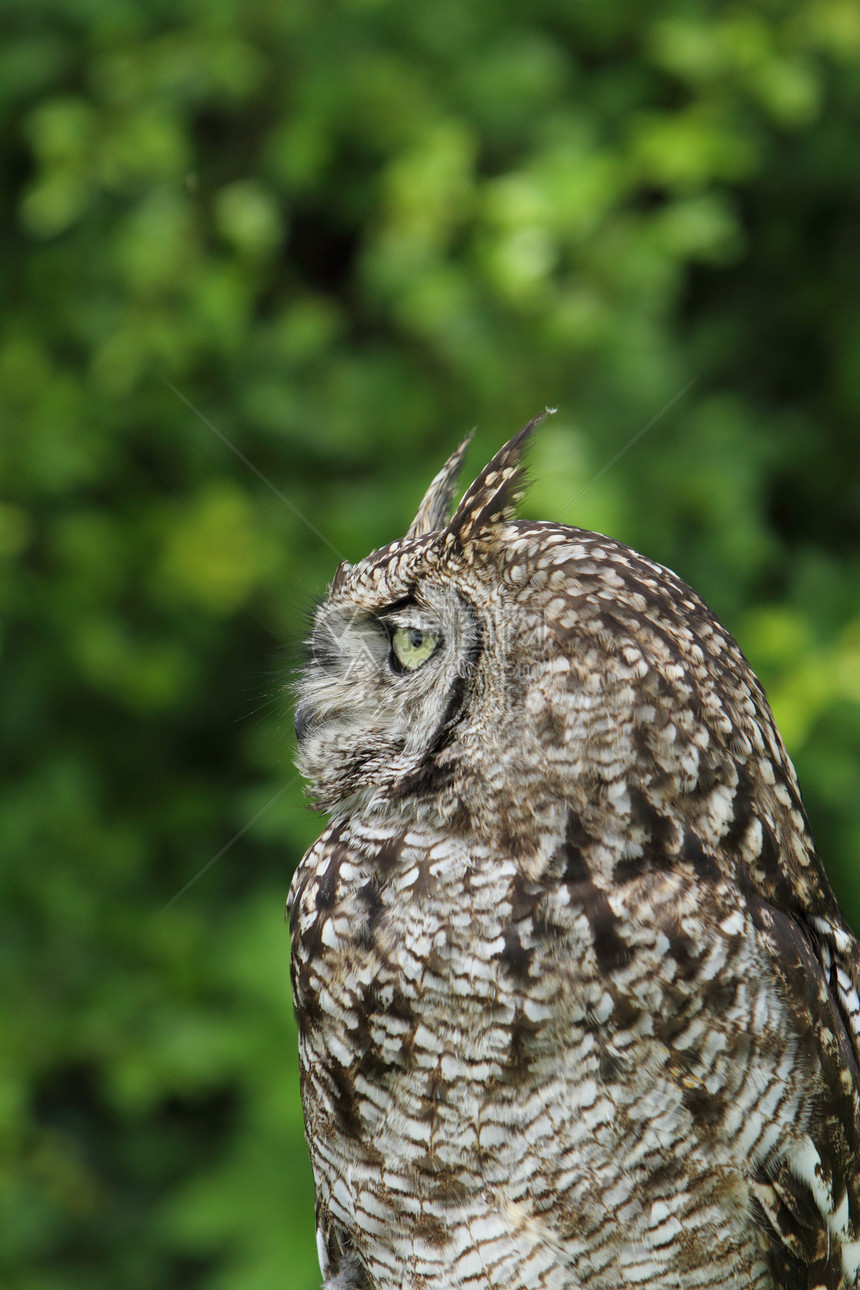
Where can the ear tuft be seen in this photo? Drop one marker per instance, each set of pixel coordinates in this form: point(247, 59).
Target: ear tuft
point(493, 497)
point(435, 509)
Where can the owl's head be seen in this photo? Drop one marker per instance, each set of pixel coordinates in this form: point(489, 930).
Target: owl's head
point(504, 671)
point(403, 655)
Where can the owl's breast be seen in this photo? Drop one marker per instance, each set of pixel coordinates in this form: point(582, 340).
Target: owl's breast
point(400, 949)
point(408, 976)
point(475, 1042)
point(440, 1022)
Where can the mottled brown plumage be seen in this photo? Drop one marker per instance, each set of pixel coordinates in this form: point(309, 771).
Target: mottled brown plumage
point(577, 1007)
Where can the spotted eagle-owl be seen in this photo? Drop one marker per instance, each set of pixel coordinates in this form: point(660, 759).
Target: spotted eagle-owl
point(576, 1004)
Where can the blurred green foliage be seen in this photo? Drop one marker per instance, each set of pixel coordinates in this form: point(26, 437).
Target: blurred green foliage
point(345, 231)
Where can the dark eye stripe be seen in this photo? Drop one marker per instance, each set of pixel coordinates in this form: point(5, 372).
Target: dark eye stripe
point(407, 602)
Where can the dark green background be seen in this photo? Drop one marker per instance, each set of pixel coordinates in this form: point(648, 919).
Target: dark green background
point(346, 232)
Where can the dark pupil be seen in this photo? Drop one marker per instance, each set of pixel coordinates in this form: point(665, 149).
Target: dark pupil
point(416, 638)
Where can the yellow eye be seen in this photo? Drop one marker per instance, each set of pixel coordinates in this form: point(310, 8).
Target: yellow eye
point(413, 646)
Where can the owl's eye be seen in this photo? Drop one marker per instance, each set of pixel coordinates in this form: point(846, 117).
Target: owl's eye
point(413, 646)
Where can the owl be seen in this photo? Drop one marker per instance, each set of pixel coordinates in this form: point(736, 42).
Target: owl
point(577, 1007)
